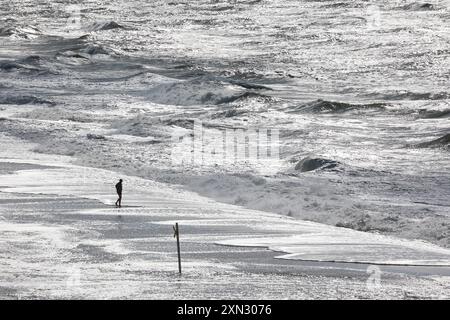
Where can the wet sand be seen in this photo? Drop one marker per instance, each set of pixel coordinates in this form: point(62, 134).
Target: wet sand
point(61, 238)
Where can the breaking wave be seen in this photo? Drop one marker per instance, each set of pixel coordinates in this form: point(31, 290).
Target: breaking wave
point(106, 25)
point(230, 113)
point(21, 32)
point(201, 90)
point(31, 65)
point(433, 114)
point(21, 100)
point(417, 6)
point(84, 49)
point(322, 106)
point(310, 164)
point(442, 142)
point(144, 126)
point(246, 97)
point(120, 85)
point(408, 95)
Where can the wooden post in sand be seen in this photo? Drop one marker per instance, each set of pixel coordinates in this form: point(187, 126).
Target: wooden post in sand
point(176, 234)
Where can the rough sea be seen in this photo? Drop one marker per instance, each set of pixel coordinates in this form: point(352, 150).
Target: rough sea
point(358, 92)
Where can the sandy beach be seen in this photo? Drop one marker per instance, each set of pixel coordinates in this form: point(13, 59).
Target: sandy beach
point(63, 239)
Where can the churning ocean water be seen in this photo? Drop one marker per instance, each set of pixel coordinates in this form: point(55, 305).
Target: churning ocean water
point(358, 92)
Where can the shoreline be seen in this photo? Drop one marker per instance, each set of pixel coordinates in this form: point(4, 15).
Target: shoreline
point(125, 251)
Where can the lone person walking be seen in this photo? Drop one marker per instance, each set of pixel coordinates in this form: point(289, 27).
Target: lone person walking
point(119, 192)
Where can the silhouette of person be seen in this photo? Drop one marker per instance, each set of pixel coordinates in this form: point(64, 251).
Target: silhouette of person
point(119, 192)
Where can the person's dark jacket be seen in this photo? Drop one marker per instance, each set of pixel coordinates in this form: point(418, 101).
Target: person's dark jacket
point(119, 188)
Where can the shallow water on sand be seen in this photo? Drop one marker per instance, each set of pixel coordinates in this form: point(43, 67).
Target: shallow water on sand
point(61, 239)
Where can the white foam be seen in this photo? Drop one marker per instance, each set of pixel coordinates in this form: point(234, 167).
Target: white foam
point(300, 240)
point(330, 244)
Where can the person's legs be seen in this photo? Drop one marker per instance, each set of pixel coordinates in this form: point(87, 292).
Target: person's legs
point(120, 200)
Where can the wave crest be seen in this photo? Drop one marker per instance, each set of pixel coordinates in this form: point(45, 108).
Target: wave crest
point(412, 96)
point(433, 114)
point(201, 90)
point(323, 106)
point(442, 142)
point(310, 164)
point(418, 6)
point(21, 100)
point(21, 32)
point(34, 65)
point(104, 25)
